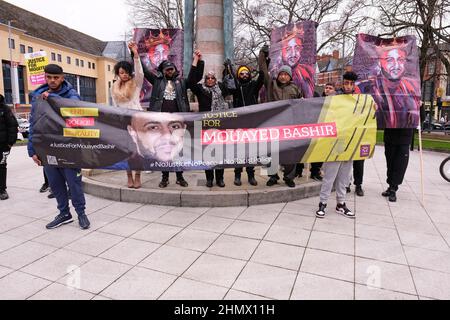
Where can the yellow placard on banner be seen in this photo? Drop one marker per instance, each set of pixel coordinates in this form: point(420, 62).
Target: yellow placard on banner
point(82, 133)
point(79, 112)
point(36, 63)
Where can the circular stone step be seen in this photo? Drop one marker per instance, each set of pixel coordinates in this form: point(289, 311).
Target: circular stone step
point(112, 185)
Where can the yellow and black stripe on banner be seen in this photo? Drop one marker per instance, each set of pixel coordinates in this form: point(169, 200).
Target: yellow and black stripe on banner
point(356, 125)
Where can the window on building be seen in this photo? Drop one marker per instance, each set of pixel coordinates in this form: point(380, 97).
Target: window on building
point(59, 58)
point(109, 67)
point(69, 60)
point(77, 62)
point(53, 56)
point(93, 65)
point(89, 65)
point(82, 63)
point(12, 44)
point(30, 49)
point(6, 70)
point(22, 49)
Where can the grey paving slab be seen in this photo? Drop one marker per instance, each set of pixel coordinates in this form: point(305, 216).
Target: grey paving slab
point(328, 264)
point(193, 240)
point(234, 247)
point(211, 224)
point(94, 243)
point(234, 295)
point(58, 291)
point(170, 260)
point(139, 284)
point(371, 293)
point(185, 289)
point(295, 221)
point(20, 286)
point(96, 275)
point(332, 242)
point(215, 270)
point(56, 265)
point(312, 287)
point(24, 254)
point(158, 233)
point(384, 275)
point(246, 229)
point(130, 251)
point(279, 255)
point(432, 284)
point(379, 250)
point(266, 281)
point(124, 227)
point(292, 236)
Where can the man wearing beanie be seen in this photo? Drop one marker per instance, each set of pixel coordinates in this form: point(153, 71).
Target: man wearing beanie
point(349, 87)
point(245, 93)
point(57, 86)
point(169, 95)
point(281, 88)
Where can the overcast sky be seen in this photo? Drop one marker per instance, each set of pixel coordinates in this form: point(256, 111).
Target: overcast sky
point(104, 20)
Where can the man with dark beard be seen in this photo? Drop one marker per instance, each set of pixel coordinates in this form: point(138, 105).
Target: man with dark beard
point(245, 94)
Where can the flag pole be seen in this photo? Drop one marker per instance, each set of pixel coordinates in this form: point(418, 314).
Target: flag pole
point(421, 166)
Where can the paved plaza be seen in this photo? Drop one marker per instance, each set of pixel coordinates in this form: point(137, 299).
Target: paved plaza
point(280, 251)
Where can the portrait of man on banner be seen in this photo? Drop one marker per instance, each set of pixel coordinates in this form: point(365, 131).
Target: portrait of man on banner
point(389, 71)
point(156, 46)
point(294, 45)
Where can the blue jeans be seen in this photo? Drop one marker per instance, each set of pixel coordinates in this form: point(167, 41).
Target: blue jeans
point(58, 178)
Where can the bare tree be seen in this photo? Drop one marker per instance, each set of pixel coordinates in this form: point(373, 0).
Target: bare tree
point(158, 14)
point(427, 19)
point(336, 20)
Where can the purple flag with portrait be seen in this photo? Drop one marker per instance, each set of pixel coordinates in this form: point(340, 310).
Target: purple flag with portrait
point(388, 69)
point(155, 46)
point(294, 45)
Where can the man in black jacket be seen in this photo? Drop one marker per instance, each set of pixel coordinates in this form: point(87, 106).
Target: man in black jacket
point(169, 94)
point(245, 94)
point(8, 137)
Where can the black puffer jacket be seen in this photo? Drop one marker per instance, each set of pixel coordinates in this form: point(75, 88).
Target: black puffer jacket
point(8, 126)
point(159, 83)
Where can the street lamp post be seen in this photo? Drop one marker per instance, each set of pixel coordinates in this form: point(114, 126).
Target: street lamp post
point(13, 69)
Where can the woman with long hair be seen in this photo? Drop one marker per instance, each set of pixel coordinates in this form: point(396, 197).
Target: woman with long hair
point(126, 94)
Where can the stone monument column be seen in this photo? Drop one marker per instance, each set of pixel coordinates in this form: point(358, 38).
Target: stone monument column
point(210, 34)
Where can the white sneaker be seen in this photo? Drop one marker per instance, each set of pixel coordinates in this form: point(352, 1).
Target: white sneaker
point(321, 212)
point(346, 212)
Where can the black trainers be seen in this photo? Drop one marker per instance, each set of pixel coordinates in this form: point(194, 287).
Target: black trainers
point(164, 183)
point(346, 212)
point(393, 196)
point(387, 193)
point(237, 181)
point(84, 222)
point(51, 195)
point(59, 221)
point(321, 212)
point(44, 188)
point(317, 178)
point(221, 184)
point(359, 191)
point(252, 181)
point(290, 183)
point(182, 183)
point(272, 181)
point(4, 195)
point(209, 183)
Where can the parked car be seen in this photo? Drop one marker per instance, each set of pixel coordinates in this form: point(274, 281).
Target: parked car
point(434, 126)
point(24, 127)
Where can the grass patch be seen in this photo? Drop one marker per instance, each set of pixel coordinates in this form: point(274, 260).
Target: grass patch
point(429, 141)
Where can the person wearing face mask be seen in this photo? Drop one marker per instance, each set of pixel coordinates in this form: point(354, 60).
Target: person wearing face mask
point(245, 93)
point(211, 97)
point(126, 93)
point(169, 95)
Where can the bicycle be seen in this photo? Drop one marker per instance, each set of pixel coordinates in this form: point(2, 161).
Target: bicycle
point(445, 169)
